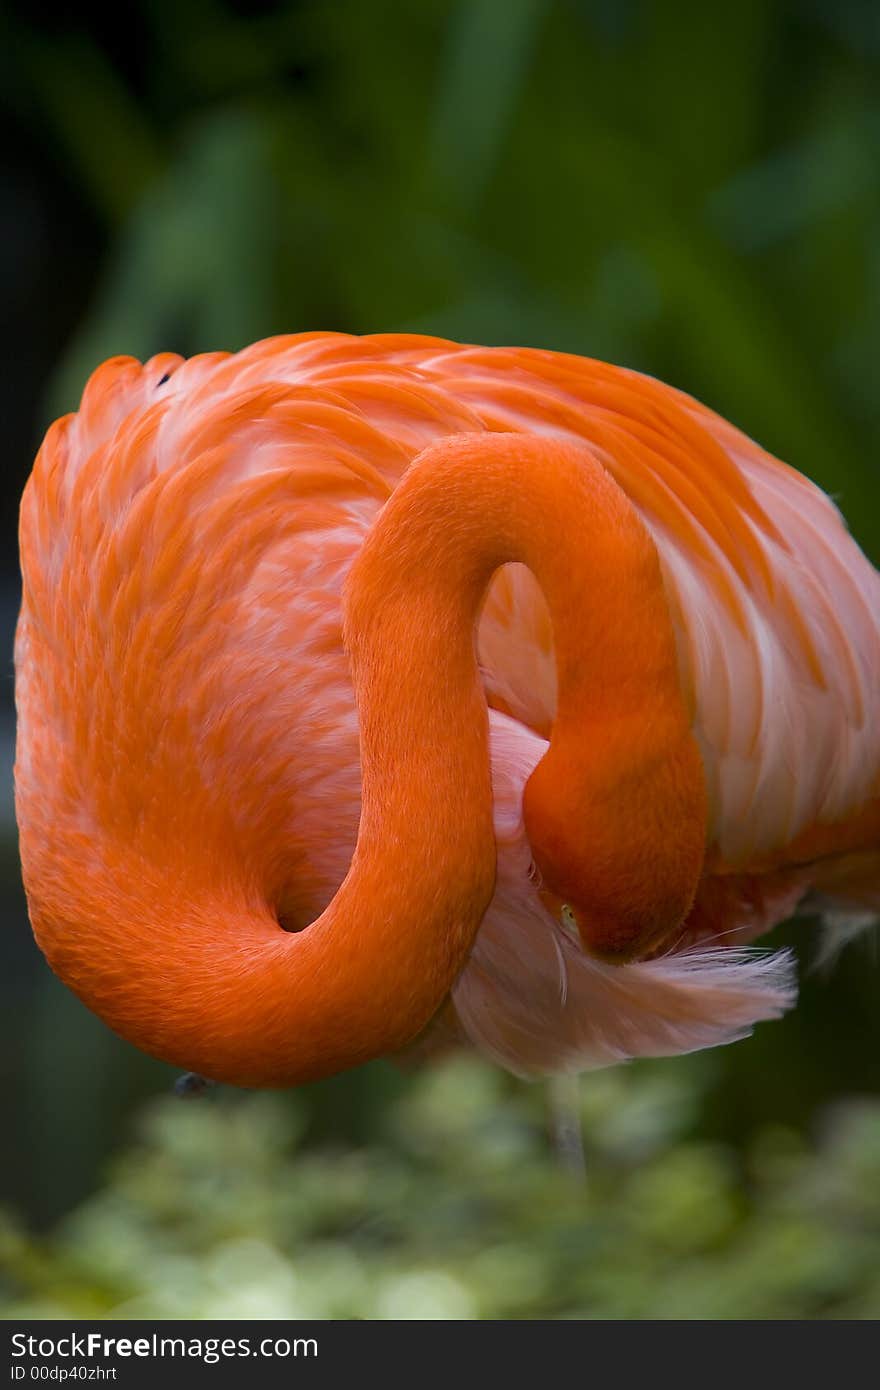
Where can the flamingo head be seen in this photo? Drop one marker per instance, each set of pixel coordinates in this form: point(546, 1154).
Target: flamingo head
point(619, 859)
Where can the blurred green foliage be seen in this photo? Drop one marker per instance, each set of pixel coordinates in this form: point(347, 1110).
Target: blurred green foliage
point(688, 189)
point(458, 1210)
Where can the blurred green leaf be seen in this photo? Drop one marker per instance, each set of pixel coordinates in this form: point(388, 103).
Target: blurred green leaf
point(216, 1211)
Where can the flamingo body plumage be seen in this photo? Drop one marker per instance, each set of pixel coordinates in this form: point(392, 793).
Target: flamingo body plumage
point(248, 699)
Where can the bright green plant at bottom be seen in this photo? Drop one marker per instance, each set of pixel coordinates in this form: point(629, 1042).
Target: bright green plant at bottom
point(218, 1209)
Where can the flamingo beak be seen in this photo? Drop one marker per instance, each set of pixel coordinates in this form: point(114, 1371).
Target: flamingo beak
point(611, 942)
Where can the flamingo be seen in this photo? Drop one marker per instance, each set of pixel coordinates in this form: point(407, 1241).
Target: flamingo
point(377, 693)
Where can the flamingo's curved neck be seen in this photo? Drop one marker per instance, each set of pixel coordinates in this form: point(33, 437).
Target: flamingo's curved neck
point(615, 811)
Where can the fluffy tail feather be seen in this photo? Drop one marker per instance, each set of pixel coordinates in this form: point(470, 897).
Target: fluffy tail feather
point(534, 1001)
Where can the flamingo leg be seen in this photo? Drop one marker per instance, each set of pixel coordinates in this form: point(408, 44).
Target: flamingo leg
point(564, 1119)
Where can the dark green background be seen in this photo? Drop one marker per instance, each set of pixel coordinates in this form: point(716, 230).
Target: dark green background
point(686, 188)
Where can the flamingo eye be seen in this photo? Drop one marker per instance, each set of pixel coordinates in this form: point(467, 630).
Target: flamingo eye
point(568, 920)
